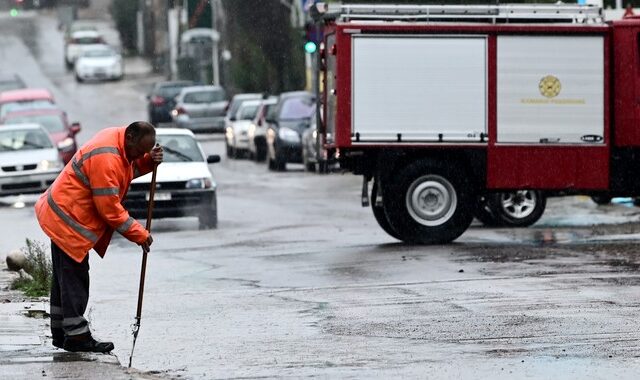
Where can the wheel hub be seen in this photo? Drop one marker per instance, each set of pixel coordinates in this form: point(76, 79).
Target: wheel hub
point(431, 200)
point(519, 204)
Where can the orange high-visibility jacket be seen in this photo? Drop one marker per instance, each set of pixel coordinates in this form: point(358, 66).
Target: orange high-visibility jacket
point(82, 208)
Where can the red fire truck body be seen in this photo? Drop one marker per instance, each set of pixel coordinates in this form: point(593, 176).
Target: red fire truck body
point(444, 106)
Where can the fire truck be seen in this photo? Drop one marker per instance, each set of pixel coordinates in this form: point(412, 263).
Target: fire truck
point(451, 112)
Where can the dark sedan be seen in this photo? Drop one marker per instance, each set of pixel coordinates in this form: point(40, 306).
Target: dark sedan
point(162, 100)
point(291, 117)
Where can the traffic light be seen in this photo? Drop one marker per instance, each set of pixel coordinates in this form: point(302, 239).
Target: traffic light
point(310, 47)
point(312, 37)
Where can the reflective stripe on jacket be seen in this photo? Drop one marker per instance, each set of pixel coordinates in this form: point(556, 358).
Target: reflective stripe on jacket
point(82, 208)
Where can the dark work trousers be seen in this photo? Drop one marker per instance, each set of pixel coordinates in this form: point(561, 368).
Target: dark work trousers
point(69, 294)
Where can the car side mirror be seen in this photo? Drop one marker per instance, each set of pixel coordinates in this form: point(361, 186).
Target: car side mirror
point(213, 159)
point(232, 118)
point(75, 128)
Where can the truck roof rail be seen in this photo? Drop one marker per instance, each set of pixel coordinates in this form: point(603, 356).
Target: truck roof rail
point(503, 13)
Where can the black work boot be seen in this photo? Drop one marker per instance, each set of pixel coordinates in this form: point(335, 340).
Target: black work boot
point(58, 342)
point(86, 343)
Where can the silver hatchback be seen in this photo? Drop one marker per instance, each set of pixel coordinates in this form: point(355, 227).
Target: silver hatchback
point(200, 109)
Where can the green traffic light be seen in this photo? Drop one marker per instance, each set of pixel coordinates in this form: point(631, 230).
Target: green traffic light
point(310, 47)
point(13, 12)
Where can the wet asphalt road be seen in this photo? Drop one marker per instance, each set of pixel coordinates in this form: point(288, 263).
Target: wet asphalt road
point(299, 281)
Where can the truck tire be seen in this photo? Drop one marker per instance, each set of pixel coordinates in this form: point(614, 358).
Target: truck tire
point(485, 213)
point(428, 202)
point(520, 208)
point(378, 213)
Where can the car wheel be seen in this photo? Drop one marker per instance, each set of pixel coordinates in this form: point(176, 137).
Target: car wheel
point(68, 65)
point(601, 199)
point(323, 167)
point(428, 202)
point(484, 213)
point(79, 79)
point(230, 151)
point(520, 208)
point(378, 213)
point(208, 218)
point(261, 152)
point(272, 165)
point(310, 167)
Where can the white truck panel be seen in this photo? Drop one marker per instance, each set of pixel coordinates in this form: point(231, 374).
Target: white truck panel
point(550, 89)
point(419, 87)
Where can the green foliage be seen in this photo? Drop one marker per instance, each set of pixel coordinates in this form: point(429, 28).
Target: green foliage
point(38, 266)
point(267, 51)
point(124, 13)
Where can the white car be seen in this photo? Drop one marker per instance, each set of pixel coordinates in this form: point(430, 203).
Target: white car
point(184, 183)
point(78, 42)
point(99, 62)
point(237, 134)
point(29, 161)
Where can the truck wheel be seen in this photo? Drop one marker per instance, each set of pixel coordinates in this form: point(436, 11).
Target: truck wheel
point(601, 199)
point(428, 202)
point(485, 213)
point(520, 208)
point(378, 213)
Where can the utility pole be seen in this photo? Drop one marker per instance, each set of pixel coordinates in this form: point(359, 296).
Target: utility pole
point(216, 7)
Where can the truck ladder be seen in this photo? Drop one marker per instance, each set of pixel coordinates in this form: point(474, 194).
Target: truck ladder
point(504, 13)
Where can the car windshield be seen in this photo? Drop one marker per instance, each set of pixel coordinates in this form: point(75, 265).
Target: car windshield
point(24, 105)
point(52, 123)
point(297, 108)
point(248, 112)
point(204, 96)
point(98, 53)
point(24, 139)
point(179, 148)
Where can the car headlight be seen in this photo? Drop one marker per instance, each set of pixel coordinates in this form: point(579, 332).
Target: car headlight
point(65, 143)
point(49, 164)
point(199, 183)
point(315, 134)
point(288, 134)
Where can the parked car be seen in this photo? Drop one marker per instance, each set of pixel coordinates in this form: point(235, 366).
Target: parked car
point(285, 127)
point(99, 62)
point(257, 130)
point(11, 82)
point(78, 26)
point(185, 185)
point(236, 136)
point(200, 108)
point(314, 154)
point(56, 122)
point(79, 42)
point(162, 100)
point(29, 162)
point(27, 98)
point(234, 105)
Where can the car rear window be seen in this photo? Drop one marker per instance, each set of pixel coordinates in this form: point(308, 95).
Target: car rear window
point(86, 40)
point(237, 102)
point(171, 91)
point(52, 123)
point(297, 108)
point(26, 105)
point(204, 96)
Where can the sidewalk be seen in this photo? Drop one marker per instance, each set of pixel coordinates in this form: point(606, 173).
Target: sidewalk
point(25, 345)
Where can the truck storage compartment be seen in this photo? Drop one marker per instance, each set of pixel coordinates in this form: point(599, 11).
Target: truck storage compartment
point(419, 88)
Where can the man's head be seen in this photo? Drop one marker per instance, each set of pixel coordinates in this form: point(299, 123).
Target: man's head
point(140, 138)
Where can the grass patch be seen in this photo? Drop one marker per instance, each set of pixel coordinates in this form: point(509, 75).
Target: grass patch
point(38, 267)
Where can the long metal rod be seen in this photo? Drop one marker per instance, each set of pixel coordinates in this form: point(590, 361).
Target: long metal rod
point(143, 271)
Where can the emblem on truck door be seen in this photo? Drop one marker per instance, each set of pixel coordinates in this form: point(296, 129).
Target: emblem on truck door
point(550, 86)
